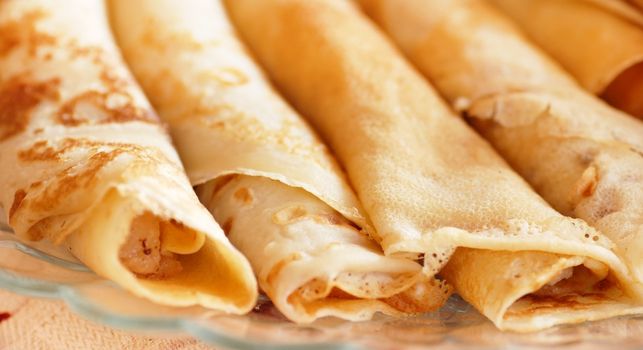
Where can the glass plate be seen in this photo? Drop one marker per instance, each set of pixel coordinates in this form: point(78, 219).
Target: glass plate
point(38, 270)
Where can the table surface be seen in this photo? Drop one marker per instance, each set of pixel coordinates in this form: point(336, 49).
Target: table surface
point(34, 324)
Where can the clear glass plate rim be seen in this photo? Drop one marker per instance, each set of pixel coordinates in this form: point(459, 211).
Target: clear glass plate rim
point(52, 290)
point(193, 326)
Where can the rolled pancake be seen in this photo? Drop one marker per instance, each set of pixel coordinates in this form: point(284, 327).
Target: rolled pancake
point(599, 41)
point(309, 259)
point(428, 182)
point(272, 184)
point(87, 164)
point(582, 156)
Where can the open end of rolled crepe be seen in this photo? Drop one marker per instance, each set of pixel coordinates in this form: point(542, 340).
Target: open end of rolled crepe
point(309, 259)
point(154, 246)
point(625, 91)
point(358, 284)
point(162, 259)
point(530, 290)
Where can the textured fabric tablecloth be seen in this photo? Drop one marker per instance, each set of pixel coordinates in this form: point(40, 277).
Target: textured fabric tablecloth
point(32, 324)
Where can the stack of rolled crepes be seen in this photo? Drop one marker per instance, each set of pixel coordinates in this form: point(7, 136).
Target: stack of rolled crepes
point(266, 177)
point(599, 41)
point(85, 162)
point(432, 188)
point(90, 165)
point(582, 156)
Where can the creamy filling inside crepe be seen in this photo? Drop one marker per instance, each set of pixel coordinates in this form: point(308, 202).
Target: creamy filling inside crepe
point(145, 253)
point(308, 258)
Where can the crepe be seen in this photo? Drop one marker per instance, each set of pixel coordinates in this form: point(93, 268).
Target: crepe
point(582, 156)
point(638, 3)
point(599, 41)
point(87, 164)
point(263, 173)
point(428, 182)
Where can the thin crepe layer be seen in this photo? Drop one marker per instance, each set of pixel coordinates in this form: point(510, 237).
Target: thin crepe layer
point(534, 290)
point(311, 261)
point(582, 156)
point(600, 42)
point(85, 160)
point(428, 183)
point(226, 119)
point(203, 83)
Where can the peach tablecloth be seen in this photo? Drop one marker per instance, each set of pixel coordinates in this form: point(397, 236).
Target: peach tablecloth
point(33, 324)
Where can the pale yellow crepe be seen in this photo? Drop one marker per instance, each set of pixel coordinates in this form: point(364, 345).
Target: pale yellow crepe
point(86, 163)
point(428, 182)
point(585, 158)
point(599, 41)
point(287, 207)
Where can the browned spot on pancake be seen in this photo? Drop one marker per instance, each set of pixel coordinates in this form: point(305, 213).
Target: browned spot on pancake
point(182, 41)
point(23, 32)
point(19, 197)
point(587, 183)
point(43, 151)
point(39, 151)
point(17, 201)
point(288, 215)
point(225, 77)
point(113, 81)
point(332, 219)
point(99, 57)
point(41, 229)
point(74, 179)
point(93, 107)
point(60, 192)
point(244, 195)
point(82, 175)
point(220, 116)
point(94, 53)
point(227, 226)
point(18, 97)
